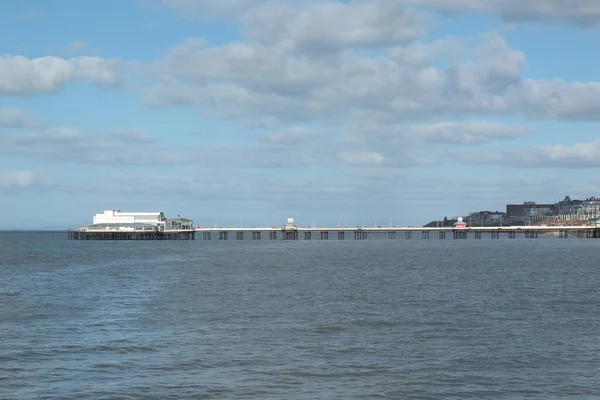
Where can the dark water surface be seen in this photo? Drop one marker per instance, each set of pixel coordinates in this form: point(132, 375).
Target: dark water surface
point(429, 319)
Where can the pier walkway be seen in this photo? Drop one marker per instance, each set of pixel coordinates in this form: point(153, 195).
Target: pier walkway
point(362, 233)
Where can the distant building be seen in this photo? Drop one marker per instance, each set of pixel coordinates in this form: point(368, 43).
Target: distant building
point(536, 211)
point(578, 210)
point(595, 222)
point(565, 210)
point(485, 217)
point(519, 210)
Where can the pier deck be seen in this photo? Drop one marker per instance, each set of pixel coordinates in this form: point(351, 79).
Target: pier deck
point(361, 233)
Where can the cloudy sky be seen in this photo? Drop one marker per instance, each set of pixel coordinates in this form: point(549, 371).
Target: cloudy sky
point(249, 111)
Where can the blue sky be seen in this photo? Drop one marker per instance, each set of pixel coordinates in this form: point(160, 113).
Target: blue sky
point(252, 111)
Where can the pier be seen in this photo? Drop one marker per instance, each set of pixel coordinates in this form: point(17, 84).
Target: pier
point(460, 231)
point(114, 225)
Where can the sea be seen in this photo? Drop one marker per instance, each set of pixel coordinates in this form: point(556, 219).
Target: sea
point(319, 319)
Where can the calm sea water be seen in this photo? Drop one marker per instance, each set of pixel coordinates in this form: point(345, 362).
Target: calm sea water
point(419, 319)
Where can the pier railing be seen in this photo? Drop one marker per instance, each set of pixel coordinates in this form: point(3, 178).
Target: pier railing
point(361, 233)
point(405, 229)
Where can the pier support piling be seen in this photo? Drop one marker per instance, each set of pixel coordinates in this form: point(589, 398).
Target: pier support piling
point(459, 234)
point(360, 235)
point(290, 235)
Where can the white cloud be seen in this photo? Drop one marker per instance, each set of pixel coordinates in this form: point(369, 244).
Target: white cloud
point(200, 8)
point(15, 118)
point(578, 155)
point(79, 46)
point(65, 144)
point(308, 26)
point(274, 76)
point(467, 133)
point(293, 65)
point(362, 157)
point(398, 146)
point(293, 135)
point(17, 179)
point(558, 99)
point(23, 76)
point(435, 135)
point(584, 12)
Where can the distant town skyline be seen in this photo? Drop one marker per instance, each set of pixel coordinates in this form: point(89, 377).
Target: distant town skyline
point(251, 112)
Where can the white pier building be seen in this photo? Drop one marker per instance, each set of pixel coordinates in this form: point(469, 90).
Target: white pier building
point(118, 217)
point(138, 221)
point(142, 225)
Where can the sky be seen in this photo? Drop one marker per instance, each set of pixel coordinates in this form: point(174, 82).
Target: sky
point(247, 112)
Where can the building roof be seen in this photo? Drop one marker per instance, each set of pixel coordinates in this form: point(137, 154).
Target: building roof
point(137, 214)
point(132, 214)
point(180, 219)
point(114, 224)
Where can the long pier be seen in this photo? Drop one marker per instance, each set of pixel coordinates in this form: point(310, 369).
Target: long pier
point(362, 233)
